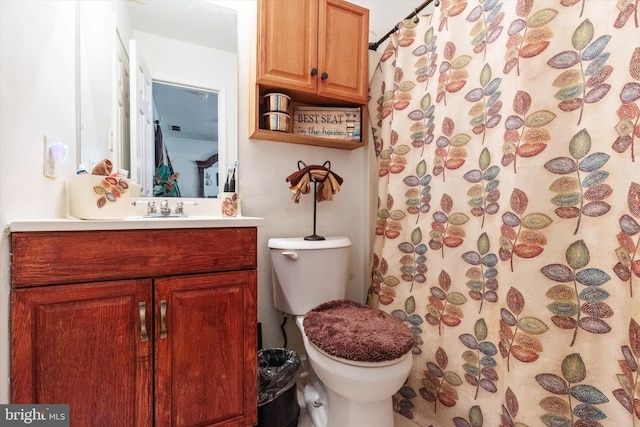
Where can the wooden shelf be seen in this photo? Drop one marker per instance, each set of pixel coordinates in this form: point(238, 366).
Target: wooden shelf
point(257, 132)
point(270, 135)
point(326, 68)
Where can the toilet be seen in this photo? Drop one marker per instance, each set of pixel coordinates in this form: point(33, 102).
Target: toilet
point(359, 356)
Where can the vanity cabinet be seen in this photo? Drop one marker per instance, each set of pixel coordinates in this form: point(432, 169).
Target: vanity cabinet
point(137, 327)
point(315, 51)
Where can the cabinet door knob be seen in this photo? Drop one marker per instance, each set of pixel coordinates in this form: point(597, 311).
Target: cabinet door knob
point(163, 319)
point(314, 71)
point(142, 308)
point(324, 76)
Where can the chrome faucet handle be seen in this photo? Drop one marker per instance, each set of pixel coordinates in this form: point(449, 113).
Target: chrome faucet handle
point(164, 207)
point(180, 208)
point(151, 208)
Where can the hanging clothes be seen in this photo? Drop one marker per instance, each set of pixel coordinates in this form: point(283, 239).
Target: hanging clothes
point(158, 145)
point(165, 178)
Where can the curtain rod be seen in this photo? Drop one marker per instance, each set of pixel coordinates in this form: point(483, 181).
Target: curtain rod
point(374, 46)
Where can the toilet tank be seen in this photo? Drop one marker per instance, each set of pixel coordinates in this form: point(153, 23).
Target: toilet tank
point(307, 273)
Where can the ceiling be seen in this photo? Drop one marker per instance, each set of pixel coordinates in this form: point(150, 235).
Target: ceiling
point(190, 21)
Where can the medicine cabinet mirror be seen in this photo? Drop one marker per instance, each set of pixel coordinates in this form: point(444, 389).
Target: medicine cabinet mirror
point(171, 62)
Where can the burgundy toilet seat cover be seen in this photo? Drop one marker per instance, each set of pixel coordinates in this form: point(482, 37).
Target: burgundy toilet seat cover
point(357, 332)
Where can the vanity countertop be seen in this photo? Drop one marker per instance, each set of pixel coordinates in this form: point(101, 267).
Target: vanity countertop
point(132, 223)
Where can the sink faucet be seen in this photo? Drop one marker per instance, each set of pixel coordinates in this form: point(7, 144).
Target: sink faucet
point(164, 208)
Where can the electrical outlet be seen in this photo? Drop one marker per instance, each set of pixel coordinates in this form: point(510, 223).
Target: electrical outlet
point(49, 163)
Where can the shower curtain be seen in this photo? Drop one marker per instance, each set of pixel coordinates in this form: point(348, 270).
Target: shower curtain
point(507, 234)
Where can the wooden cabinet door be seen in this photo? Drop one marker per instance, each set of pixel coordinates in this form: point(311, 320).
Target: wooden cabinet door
point(287, 44)
point(343, 51)
point(84, 345)
point(206, 350)
point(314, 46)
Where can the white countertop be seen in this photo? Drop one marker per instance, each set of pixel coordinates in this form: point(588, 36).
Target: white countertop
point(133, 223)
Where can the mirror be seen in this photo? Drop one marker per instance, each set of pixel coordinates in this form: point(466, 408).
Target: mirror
point(170, 62)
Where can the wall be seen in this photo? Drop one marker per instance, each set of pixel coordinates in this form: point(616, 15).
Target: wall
point(38, 96)
point(264, 192)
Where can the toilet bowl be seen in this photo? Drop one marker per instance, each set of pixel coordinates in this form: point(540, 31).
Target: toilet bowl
point(357, 394)
point(342, 391)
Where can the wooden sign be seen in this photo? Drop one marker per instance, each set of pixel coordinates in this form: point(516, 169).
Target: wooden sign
point(327, 122)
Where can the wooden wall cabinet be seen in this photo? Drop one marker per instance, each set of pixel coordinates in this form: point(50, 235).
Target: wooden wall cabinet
point(137, 328)
point(315, 51)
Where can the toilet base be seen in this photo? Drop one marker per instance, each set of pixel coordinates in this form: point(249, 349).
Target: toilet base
point(327, 408)
point(345, 413)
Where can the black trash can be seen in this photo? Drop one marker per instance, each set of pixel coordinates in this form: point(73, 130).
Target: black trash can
point(278, 370)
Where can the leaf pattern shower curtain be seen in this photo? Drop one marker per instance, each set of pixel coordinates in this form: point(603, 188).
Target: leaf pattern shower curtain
point(508, 225)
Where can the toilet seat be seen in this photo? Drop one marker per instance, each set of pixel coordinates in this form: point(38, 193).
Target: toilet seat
point(357, 334)
point(360, 363)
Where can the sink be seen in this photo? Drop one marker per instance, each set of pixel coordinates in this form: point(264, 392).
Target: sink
point(175, 217)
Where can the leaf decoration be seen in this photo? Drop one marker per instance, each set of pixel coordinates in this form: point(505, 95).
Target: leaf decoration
point(488, 18)
point(413, 320)
point(453, 75)
point(486, 103)
point(573, 94)
point(425, 65)
point(418, 195)
point(571, 194)
point(482, 274)
point(628, 266)
point(517, 334)
point(559, 410)
point(450, 8)
point(414, 262)
point(450, 152)
point(520, 233)
point(422, 130)
point(389, 220)
point(480, 364)
point(510, 409)
point(630, 9)
point(402, 401)
point(529, 35)
point(394, 159)
point(566, 305)
point(485, 193)
point(444, 306)
point(627, 395)
point(439, 384)
point(388, 225)
point(447, 228)
point(628, 127)
point(475, 418)
point(525, 134)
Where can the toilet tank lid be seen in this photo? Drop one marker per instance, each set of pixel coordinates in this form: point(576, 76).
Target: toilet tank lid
point(292, 243)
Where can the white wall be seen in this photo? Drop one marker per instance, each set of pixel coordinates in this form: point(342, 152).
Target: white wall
point(264, 192)
point(38, 96)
